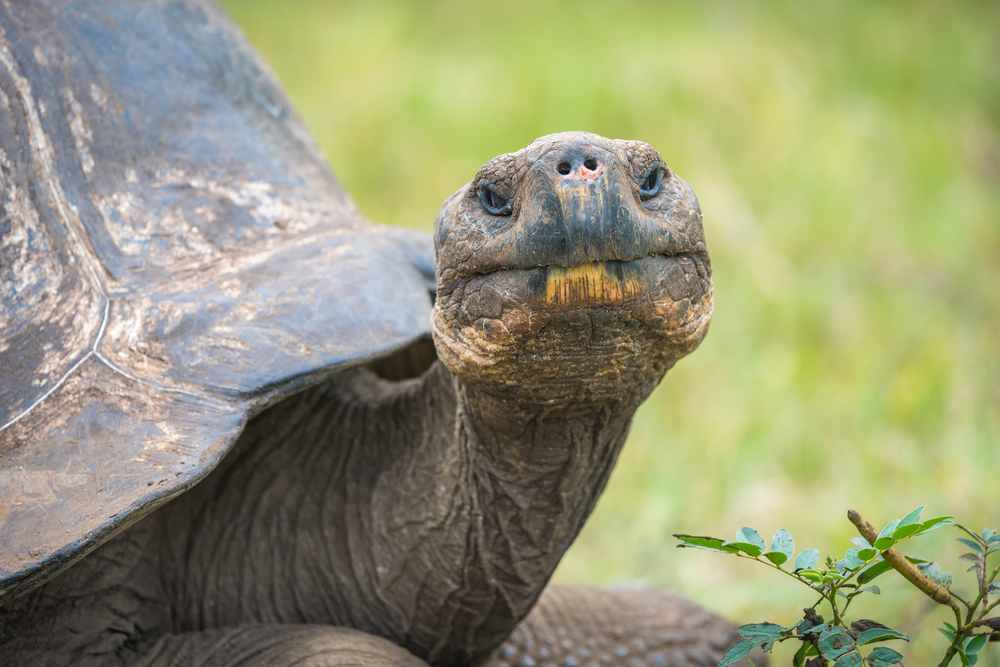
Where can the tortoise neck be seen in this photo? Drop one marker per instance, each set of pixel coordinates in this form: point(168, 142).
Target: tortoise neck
point(486, 492)
point(427, 511)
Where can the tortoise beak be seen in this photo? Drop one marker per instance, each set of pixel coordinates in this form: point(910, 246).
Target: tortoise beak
point(580, 208)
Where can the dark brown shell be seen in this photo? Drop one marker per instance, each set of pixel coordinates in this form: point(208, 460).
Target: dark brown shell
point(175, 255)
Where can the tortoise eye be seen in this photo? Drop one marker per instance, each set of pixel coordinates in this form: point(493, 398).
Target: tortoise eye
point(650, 185)
point(493, 200)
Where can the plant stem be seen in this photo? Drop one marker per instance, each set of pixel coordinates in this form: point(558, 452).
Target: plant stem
point(928, 586)
point(959, 598)
point(778, 568)
point(984, 585)
point(989, 609)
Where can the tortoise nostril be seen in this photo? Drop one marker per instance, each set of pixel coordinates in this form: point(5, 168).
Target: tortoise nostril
point(563, 167)
point(590, 163)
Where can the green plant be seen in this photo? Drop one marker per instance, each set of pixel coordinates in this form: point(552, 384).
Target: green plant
point(837, 640)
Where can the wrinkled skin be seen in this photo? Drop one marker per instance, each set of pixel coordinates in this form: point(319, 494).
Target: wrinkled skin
point(431, 511)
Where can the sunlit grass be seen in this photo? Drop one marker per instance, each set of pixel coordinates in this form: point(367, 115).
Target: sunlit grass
point(847, 158)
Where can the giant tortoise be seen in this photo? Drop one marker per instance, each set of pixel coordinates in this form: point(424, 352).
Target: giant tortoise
point(241, 425)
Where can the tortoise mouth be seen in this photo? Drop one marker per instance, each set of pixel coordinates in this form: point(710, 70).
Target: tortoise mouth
point(598, 284)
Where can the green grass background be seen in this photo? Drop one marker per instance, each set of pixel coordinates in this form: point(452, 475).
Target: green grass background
point(847, 159)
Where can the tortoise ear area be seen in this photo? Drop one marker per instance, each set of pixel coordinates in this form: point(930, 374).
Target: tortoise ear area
point(446, 215)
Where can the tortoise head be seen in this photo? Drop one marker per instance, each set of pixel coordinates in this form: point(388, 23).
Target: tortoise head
point(576, 258)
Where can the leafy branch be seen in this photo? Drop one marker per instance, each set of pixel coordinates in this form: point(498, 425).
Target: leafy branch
point(839, 582)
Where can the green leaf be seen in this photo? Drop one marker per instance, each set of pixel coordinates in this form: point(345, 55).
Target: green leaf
point(747, 548)
point(949, 635)
point(835, 642)
point(913, 517)
point(860, 543)
point(975, 643)
point(884, 543)
point(933, 571)
point(765, 630)
point(776, 557)
point(870, 589)
point(791, 629)
point(995, 539)
point(889, 527)
point(867, 554)
point(872, 571)
point(934, 524)
point(883, 656)
point(987, 534)
point(966, 658)
point(800, 656)
point(702, 542)
point(851, 659)
point(972, 545)
point(851, 558)
point(738, 652)
point(811, 575)
point(903, 532)
point(835, 630)
point(783, 543)
point(817, 629)
point(879, 635)
point(807, 559)
point(836, 647)
point(994, 588)
point(749, 535)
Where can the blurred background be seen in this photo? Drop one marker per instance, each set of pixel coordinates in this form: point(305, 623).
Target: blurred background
point(847, 159)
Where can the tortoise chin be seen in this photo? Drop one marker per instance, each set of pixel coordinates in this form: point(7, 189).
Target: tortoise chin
point(645, 312)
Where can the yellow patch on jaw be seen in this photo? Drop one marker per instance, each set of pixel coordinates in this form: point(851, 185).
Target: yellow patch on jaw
point(588, 285)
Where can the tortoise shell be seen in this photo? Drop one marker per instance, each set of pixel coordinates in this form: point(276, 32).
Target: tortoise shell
point(175, 256)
